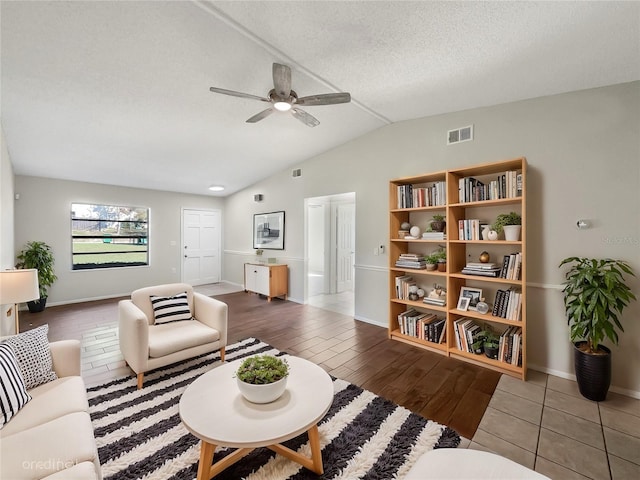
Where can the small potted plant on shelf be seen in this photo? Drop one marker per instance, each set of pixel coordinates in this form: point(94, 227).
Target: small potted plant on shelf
point(38, 255)
point(438, 223)
point(595, 293)
point(487, 341)
point(511, 223)
point(431, 261)
point(262, 378)
point(441, 259)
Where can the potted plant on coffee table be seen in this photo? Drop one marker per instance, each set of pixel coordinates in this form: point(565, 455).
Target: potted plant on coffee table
point(262, 378)
point(595, 293)
point(38, 255)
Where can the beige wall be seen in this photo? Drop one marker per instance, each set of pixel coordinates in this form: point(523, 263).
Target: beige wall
point(7, 323)
point(43, 213)
point(583, 150)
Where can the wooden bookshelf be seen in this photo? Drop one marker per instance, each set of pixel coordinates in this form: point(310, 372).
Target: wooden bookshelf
point(459, 206)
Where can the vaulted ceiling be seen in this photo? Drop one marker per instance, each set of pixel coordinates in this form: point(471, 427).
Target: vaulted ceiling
point(117, 92)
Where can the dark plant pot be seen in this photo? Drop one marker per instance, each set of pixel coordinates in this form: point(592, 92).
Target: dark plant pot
point(438, 226)
point(491, 352)
point(37, 305)
point(442, 267)
point(593, 372)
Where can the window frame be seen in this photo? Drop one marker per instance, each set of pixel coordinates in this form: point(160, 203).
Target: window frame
point(116, 216)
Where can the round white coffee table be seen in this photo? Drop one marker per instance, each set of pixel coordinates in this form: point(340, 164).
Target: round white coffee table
point(213, 410)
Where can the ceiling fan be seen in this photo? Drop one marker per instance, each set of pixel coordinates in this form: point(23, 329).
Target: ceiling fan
point(283, 99)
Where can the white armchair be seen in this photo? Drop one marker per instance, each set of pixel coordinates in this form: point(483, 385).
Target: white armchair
point(147, 344)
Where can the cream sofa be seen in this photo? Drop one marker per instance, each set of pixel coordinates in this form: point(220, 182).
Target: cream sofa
point(51, 436)
point(146, 346)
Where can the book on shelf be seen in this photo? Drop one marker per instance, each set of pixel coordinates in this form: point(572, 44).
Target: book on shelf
point(510, 346)
point(411, 260)
point(434, 236)
point(511, 266)
point(504, 185)
point(508, 304)
point(413, 196)
point(489, 269)
point(469, 229)
point(466, 333)
point(403, 283)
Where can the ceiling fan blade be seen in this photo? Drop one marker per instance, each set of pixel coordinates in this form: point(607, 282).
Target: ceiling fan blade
point(259, 116)
point(324, 99)
point(282, 80)
point(305, 118)
point(238, 94)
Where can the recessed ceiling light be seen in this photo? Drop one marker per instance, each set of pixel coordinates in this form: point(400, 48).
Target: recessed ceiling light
point(216, 188)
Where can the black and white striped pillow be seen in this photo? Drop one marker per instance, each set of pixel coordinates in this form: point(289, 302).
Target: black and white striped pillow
point(170, 309)
point(13, 392)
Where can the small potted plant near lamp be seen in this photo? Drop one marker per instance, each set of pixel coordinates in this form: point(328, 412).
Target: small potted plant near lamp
point(510, 223)
point(38, 255)
point(262, 378)
point(595, 293)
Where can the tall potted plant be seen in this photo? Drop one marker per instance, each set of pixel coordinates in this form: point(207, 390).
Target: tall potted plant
point(595, 293)
point(38, 255)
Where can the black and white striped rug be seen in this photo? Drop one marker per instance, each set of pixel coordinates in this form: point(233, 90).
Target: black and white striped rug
point(139, 433)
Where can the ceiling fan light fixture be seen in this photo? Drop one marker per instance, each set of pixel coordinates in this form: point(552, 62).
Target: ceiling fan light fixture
point(216, 188)
point(282, 106)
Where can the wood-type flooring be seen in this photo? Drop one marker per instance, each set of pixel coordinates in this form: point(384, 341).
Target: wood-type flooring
point(446, 390)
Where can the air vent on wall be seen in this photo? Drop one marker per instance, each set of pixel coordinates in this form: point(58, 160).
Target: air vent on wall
point(462, 134)
point(296, 173)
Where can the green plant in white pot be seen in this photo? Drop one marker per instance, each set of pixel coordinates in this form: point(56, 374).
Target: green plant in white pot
point(262, 378)
point(595, 293)
point(510, 223)
point(38, 255)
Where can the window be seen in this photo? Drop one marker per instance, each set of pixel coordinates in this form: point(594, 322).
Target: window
point(108, 236)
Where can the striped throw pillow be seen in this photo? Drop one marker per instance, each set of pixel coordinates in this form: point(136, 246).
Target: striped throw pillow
point(170, 309)
point(13, 392)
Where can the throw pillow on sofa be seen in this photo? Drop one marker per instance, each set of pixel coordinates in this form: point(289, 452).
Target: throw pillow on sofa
point(34, 356)
point(13, 392)
point(170, 309)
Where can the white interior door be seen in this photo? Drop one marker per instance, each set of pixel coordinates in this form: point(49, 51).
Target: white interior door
point(346, 246)
point(201, 246)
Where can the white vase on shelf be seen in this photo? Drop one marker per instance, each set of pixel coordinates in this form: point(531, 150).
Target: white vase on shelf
point(512, 232)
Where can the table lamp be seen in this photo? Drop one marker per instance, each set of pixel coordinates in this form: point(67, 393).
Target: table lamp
point(18, 286)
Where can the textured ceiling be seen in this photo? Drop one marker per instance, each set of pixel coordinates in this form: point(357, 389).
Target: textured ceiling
point(118, 92)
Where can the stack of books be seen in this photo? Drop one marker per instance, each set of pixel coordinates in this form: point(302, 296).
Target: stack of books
point(510, 349)
point(434, 236)
point(411, 260)
point(488, 269)
point(508, 304)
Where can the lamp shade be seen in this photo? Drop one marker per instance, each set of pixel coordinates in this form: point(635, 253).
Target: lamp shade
point(17, 286)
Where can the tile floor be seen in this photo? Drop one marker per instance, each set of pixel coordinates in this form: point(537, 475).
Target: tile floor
point(544, 423)
point(340, 302)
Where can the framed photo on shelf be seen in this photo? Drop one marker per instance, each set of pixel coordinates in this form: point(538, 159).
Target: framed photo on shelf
point(268, 231)
point(463, 303)
point(473, 294)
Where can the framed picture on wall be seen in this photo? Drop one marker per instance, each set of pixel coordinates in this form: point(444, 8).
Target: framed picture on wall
point(268, 230)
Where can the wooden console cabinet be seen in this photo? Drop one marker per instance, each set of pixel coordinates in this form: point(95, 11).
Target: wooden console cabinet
point(270, 280)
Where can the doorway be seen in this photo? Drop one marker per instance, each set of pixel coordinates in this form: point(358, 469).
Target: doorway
point(330, 252)
point(200, 246)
